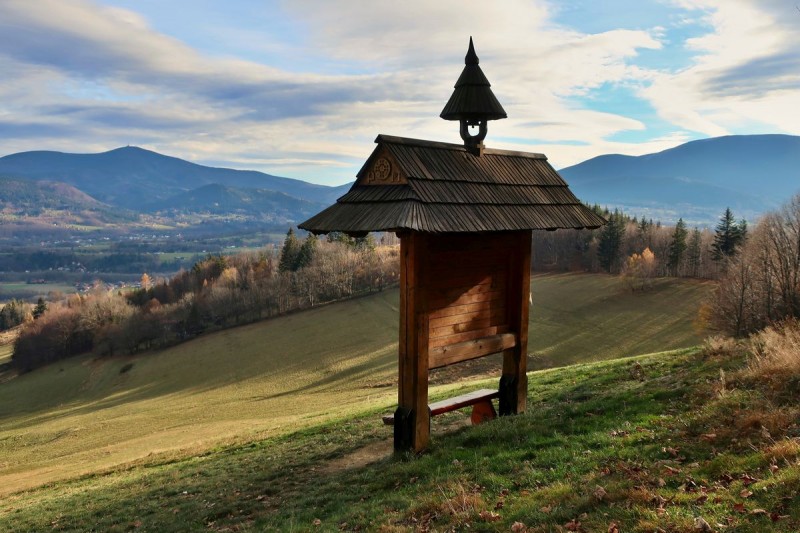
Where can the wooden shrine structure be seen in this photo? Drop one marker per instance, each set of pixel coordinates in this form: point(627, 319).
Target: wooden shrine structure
point(464, 215)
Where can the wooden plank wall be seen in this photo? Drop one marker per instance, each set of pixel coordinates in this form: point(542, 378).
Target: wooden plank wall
point(467, 288)
point(462, 296)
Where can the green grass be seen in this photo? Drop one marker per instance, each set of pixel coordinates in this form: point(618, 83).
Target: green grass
point(167, 257)
point(611, 442)
point(269, 379)
point(579, 318)
point(27, 291)
point(5, 353)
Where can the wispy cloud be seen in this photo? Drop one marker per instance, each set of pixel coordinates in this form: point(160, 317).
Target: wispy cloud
point(745, 70)
point(81, 75)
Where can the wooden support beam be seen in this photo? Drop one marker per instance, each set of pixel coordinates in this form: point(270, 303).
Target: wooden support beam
point(464, 351)
point(514, 381)
point(412, 418)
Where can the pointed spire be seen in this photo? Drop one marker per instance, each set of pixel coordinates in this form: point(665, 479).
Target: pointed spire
point(471, 58)
point(472, 103)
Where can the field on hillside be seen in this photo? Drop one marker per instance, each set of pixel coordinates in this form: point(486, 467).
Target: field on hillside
point(7, 339)
point(579, 318)
point(655, 443)
point(86, 415)
point(5, 353)
point(30, 291)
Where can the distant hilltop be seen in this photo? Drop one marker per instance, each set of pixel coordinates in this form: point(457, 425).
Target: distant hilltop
point(751, 174)
point(696, 181)
point(132, 177)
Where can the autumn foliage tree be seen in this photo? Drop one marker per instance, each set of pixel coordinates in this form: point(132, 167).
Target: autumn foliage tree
point(640, 269)
point(218, 292)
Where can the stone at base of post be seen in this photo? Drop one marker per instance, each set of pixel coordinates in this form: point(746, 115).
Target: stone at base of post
point(513, 394)
point(403, 429)
point(406, 437)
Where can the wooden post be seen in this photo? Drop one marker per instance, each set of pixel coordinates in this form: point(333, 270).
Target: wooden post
point(412, 418)
point(514, 381)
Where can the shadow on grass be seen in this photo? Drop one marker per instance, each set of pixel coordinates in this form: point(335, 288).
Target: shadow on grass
point(274, 483)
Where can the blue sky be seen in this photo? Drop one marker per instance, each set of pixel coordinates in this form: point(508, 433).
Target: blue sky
point(302, 88)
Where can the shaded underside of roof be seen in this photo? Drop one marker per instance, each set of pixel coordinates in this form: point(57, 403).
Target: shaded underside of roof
point(449, 189)
point(449, 218)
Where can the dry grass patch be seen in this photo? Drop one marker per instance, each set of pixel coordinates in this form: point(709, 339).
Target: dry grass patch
point(784, 450)
point(717, 345)
point(457, 502)
point(776, 353)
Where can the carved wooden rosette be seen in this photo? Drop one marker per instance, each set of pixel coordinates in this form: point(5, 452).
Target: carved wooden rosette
point(384, 170)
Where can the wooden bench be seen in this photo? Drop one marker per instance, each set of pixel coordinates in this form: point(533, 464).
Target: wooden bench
point(480, 400)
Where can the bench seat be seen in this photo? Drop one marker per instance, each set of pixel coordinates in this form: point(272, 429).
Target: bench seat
point(480, 400)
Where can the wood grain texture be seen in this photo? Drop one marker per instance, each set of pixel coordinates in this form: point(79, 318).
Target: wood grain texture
point(442, 188)
point(472, 349)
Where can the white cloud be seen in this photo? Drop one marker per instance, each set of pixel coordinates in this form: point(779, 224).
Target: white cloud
point(746, 72)
point(104, 77)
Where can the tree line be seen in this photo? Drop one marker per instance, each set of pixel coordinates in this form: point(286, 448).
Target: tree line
point(221, 291)
point(627, 244)
point(760, 285)
point(217, 292)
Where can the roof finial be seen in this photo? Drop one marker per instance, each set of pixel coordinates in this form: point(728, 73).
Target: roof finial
point(473, 103)
point(471, 57)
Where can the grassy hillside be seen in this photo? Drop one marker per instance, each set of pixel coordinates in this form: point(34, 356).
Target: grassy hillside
point(652, 444)
point(579, 318)
point(268, 379)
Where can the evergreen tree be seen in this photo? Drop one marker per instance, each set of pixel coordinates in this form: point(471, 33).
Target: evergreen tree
point(728, 236)
point(343, 238)
point(306, 252)
point(289, 252)
point(677, 247)
point(741, 231)
point(12, 314)
point(41, 307)
point(694, 253)
point(365, 243)
point(645, 230)
point(608, 248)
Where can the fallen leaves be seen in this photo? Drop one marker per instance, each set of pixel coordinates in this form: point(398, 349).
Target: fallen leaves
point(599, 493)
point(670, 471)
point(701, 525)
point(748, 480)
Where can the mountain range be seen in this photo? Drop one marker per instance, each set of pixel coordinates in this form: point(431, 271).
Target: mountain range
point(696, 181)
point(751, 174)
point(96, 189)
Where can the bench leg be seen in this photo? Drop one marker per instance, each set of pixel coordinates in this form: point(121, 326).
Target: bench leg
point(483, 412)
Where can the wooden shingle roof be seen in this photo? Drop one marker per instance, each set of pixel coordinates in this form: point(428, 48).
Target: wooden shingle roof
point(472, 98)
point(409, 184)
